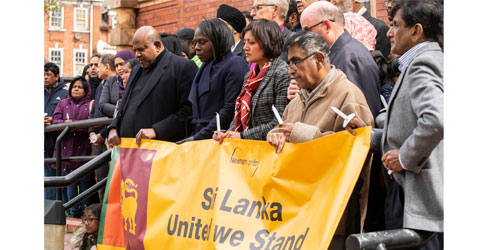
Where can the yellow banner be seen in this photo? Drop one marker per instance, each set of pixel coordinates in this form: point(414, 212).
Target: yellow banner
point(238, 195)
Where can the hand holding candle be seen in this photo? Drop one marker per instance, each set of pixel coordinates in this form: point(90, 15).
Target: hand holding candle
point(346, 118)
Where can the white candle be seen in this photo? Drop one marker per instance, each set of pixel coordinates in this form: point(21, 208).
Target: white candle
point(218, 123)
point(346, 118)
point(68, 118)
point(277, 115)
point(383, 101)
point(340, 113)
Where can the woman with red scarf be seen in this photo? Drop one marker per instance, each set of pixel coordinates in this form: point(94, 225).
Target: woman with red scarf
point(264, 86)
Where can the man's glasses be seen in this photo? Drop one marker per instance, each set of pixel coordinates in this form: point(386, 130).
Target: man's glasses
point(89, 220)
point(256, 8)
point(311, 27)
point(291, 64)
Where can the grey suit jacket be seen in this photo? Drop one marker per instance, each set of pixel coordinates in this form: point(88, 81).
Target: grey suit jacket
point(272, 91)
point(108, 99)
point(414, 124)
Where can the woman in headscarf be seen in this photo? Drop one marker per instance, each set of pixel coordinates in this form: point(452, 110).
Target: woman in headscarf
point(264, 86)
point(218, 81)
point(113, 91)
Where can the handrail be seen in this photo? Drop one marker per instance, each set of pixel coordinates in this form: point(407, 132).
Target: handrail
point(388, 239)
point(79, 124)
point(85, 194)
point(77, 174)
point(72, 158)
point(58, 161)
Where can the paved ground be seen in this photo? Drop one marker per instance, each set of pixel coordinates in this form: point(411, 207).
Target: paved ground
point(71, 224)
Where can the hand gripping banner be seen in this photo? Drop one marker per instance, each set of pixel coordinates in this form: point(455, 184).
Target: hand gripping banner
point(238, 195)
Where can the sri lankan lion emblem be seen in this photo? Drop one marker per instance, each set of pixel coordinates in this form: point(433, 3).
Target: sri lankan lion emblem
point(129, 204)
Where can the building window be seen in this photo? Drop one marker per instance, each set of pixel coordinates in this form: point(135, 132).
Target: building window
point(56, 56)
point(81, 19)
point(79, 61)
point(56, 19)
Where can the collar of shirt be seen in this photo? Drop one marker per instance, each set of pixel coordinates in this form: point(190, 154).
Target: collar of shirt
point(407, 57)
point(362, 11)
point(307, 95)
point(234, 46)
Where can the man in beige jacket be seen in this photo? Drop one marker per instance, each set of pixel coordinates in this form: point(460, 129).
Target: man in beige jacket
point(309, 116)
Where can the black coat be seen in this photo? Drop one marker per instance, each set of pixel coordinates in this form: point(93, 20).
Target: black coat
point(215, 89)
point(163, 103)
point(353, 58)
point(382, 41)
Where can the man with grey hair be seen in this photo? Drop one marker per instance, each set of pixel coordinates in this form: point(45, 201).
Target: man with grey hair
point(309, 115)
point(273, 10)
point(347, 54)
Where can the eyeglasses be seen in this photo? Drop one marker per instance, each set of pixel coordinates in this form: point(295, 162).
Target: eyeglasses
point(290, 64)
point(256, 8)
point(311, 27)
point(89, 220)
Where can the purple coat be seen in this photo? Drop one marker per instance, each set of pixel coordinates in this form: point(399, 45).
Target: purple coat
point(75, 142)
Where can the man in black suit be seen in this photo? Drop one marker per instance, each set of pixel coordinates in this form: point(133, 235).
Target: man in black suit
point(155, 103)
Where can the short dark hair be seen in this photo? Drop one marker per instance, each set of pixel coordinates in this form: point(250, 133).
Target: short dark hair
point(219, 35)
point(96, 209)
point(247, 15)
point(108, 59)
point(427, 13)
point(96, 55)
point(51, 67)
point(292, 8)
point(268, 34)
point(184, 48)
point(132, 62)
point(82, 80)
point(84, 72)
point(172, 43)
point(310, 43)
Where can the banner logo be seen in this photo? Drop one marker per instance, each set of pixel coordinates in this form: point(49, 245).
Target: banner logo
point(129, 205)
point(238, 160)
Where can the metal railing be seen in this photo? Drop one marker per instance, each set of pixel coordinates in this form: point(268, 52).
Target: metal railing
point(388, 239)
point(93, 163)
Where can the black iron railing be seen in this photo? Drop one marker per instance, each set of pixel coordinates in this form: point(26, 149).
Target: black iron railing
point(388, 239)
point(93, 163)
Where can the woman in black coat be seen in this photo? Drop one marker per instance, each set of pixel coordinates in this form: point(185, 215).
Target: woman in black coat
point(218, 81)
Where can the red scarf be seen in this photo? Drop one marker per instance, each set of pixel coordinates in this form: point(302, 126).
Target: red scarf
point(242, 105)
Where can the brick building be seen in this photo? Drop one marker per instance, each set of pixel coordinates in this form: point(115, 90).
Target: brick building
point(74, 32)
point(171, 15)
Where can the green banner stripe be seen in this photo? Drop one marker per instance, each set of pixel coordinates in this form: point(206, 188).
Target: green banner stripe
point(115, 155)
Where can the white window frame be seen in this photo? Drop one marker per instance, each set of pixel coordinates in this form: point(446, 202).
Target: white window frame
point(50, 50)
point(75, 60)
point(62, 21)
point(85, 29)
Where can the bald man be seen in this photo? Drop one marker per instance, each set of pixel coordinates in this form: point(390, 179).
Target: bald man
point(347, 54)
point(155, 104)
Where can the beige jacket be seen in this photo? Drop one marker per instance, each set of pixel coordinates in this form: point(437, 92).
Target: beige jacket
point(313, 118)
point(317, 119)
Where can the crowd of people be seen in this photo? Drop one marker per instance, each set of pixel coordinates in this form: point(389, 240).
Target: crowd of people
point(300, 56)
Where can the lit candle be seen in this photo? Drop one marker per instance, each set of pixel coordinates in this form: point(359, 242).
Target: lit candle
point(68, 118)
